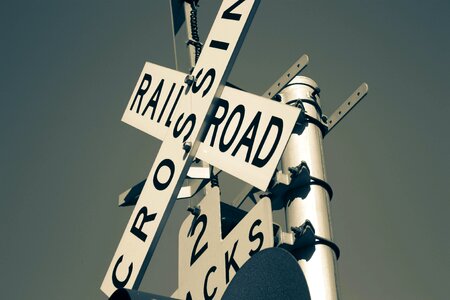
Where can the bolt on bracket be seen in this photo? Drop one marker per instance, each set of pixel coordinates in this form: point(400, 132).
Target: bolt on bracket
point(283, 184)
point(301, 237)
point(194, 210)
point(190, 79)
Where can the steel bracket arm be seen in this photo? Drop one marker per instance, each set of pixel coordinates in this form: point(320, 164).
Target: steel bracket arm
point(347, 106)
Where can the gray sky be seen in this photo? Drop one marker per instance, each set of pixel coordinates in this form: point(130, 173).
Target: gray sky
point(69, 67)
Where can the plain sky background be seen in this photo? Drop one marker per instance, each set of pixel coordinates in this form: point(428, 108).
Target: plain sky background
point(68, 69)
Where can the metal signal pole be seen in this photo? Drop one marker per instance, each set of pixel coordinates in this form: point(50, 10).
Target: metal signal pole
point(307, 203)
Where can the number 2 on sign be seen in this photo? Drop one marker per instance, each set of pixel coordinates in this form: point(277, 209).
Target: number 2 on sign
point(202, 219)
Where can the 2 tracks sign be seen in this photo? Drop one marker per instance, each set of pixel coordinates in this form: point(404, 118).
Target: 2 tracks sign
point(207, 262)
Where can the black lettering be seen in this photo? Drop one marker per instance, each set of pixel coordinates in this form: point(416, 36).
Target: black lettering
point(229, 261)
point(177, 132)
point(169, 118)
point(141, 91)
point(219, 45)
point(240, 109)
point(205, 285)
point(121, 283)
point(196, 254)
point(253, 237)
point(167, 101)
point(188, 296)
point(153, 102)
point(210, 73)
point(214, 121)
point(248, 141)
point(228, 14)
point(137, 231)
point(258, 161)
point(158, 184)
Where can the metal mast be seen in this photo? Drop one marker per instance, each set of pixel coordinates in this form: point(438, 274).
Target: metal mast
point(309, 200)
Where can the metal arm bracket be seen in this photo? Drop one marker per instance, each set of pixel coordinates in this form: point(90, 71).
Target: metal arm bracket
point(347, 106)
point(296, 68)
point(198, 176)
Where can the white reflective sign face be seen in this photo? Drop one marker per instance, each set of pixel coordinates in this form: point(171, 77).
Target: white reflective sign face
point(173, 160)
point(245, 134)
point(199, 235)
point(207, 263)
point(154, 100)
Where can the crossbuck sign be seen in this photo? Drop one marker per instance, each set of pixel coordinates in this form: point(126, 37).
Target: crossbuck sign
point(202, 115)
point(244, 134)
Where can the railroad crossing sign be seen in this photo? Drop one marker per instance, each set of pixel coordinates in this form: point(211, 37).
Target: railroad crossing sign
point(245, 134)
point(191, 186)
point(196, 115)
point(179, 146)
point(207, 262)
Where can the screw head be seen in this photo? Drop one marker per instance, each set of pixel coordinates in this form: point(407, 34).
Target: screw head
point(194, 210)
point(187, 146)
point(189, 79)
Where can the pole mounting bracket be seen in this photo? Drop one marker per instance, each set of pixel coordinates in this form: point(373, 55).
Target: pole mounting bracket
point(301, 237)
point(305, 118)
point(297, 183)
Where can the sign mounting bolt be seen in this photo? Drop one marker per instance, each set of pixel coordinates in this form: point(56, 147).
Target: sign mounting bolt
point(187, 146)
point(189, 79)
point(194, 210)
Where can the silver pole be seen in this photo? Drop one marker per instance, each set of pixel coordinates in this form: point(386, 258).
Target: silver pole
point(317, 262)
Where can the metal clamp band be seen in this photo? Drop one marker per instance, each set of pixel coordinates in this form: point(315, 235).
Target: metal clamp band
point(302, 237)
point(324, 184)
point(319, 123)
